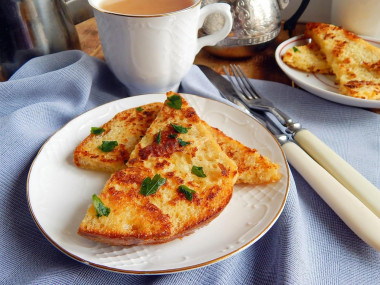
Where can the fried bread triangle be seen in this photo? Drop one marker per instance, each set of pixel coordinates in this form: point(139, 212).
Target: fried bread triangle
point(129, 126)
point(333, 50)
point(159, 196)
point(355, 62)
point(126, 128)
point(308, 58)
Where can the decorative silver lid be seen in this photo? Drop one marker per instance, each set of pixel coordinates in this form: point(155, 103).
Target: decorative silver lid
point(255, 21)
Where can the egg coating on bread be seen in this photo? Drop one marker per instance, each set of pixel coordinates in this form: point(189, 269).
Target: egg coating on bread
point(126, 128)
point(130, 125)
point(354, 61)
point(176, 141)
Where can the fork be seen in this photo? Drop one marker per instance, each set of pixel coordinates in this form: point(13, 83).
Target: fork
point(341, 200)
point(350, 178)
point(253, 99)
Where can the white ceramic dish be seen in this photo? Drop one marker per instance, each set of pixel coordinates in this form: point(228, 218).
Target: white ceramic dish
point(59, 194)
point(321, 85)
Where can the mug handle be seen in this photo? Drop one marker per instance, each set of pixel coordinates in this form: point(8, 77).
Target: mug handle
point(211, 40)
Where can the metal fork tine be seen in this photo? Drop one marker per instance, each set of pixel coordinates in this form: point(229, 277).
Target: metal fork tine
point(240, 83)
point(233, 84)
point(248, 85)
point(255, 101)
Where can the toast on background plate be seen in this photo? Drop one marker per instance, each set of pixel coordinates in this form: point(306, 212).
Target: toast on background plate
point(176, 180)
point(308, 58)
point(127, 128)
point(354, 61)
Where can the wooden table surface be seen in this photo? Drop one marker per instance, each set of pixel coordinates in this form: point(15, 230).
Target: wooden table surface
point(256, 64)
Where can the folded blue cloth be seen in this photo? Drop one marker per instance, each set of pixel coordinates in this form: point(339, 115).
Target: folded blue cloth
point(308, 244)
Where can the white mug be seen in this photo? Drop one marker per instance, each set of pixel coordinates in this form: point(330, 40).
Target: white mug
point(152, 54)
point(361, 17)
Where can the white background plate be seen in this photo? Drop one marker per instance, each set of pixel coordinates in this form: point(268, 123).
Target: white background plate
point(321, 85)
point(59, 194)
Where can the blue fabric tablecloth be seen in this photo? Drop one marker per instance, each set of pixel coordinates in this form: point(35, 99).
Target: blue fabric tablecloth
point(308, 244)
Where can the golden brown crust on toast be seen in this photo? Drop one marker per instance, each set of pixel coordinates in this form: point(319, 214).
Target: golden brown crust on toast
point(254, 168)
point(308, 58)
point(127, 128)
point(167, 214)
point(354, 61)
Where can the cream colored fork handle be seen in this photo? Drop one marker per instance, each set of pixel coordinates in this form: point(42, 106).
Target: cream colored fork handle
point(363, 222)
point(366, 192)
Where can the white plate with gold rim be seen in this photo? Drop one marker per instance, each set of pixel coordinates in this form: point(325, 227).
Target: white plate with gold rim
point(321, 85)
point(59, 194)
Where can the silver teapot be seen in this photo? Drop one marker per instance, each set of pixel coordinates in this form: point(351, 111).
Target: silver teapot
point(256, 22)
point(30, 28)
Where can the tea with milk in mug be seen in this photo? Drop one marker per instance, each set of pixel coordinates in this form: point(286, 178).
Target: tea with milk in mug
point(144, 7)
point(143, 40)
